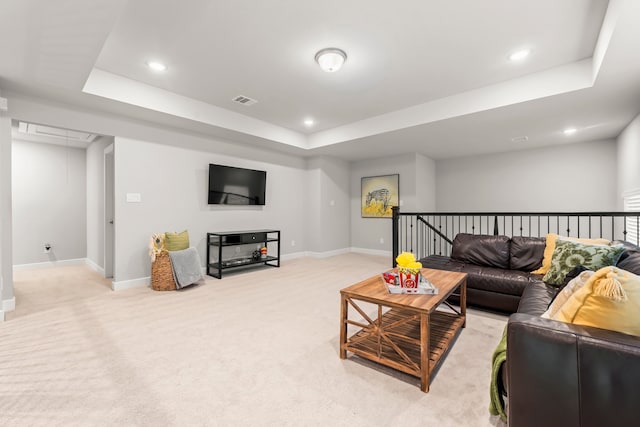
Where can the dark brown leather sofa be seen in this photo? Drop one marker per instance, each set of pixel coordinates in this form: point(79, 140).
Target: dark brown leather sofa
point(498, 267)
point(559, 374)
point(556, 374)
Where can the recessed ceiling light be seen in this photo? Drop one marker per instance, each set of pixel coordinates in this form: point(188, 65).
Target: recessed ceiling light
point(308, 122)
point(519, 55)
point(156, 66)
point(331, 59)
point(570, 131)
point(520, 139)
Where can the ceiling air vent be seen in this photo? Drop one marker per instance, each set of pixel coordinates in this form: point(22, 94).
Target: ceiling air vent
point(244, 100)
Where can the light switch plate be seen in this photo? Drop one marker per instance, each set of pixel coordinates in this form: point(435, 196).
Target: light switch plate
point(134, 197)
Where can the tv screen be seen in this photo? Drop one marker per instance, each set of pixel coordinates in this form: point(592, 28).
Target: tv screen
point(236, 186)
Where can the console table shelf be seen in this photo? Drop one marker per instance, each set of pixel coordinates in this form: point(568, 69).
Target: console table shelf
point(218, 241)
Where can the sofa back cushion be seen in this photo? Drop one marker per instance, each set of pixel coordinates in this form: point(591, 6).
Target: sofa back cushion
point(630, 260)
point(480, 249)
point(526, 253)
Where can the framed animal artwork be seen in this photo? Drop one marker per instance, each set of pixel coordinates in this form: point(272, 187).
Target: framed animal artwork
point(378, 195)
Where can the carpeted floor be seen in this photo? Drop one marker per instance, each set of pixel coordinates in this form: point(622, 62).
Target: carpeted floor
point(253, 349)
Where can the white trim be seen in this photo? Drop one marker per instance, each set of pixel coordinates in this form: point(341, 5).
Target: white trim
point(94, 266)
point(377, 252)
point(130, 284)
point(77, 261)
point(293, 256)
point(8, 304)
point(328, 254)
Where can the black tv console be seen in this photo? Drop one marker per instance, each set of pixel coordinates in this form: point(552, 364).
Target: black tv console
point(218, 241)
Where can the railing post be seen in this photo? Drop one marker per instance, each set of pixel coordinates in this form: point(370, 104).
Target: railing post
point(495, 226)
point(395, 217)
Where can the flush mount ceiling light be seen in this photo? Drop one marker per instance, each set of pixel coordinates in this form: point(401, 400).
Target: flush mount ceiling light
point(519, 55)
point(570, 131)
point(157, 66)
point(308, 122)
point(331, 59)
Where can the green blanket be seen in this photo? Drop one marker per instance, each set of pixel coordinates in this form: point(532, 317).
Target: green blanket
point(496, 404)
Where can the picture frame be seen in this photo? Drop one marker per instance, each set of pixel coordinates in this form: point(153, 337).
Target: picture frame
point(378, 194)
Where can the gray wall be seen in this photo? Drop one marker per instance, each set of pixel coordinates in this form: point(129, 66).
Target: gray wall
point(628, 160)
point(173, 184)
point(329, 204)
point(95, 200)
point(572, 177)
point(417, 191)
point(49, 202)
point(6, 249)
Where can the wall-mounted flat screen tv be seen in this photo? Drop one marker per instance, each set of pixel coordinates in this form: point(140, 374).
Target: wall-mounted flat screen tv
point(236, 186)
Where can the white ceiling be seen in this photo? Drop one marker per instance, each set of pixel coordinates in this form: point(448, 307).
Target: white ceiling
point(421, 76)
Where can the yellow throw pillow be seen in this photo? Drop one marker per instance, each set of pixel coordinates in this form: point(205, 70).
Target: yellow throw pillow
point(551, 246)
point(176, 241)
point(609, 300)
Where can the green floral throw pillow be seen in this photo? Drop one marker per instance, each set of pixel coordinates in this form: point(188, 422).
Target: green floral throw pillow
point(568, 255)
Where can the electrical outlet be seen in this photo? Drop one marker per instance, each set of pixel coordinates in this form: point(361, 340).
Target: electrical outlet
point(47, 248)
point(293, 243)
point(382, 241)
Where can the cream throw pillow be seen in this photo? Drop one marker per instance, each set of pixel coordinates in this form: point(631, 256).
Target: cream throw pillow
point(566, 293)
point(551, 246)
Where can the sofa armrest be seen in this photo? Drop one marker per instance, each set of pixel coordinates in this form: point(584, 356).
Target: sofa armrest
point(570, 375)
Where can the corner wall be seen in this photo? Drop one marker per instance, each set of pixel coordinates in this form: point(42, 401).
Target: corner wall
point(49, 202)
point(7, 301)
point(572, 178)
point(417, 192)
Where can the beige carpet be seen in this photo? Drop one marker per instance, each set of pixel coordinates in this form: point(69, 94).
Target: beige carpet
point(253, 349)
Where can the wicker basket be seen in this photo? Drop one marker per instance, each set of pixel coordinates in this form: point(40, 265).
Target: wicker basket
point(162, 273)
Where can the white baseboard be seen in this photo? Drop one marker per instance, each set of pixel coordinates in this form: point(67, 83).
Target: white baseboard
point(8, 304)
point(63, 262)
point(328, 254)
point(294, 256)
point(130, 284)
point(372, 252)
point(94, 266)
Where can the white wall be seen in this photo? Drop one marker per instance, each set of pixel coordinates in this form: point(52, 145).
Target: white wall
point(6, 251)
point(173, 182)
point(95, 200)
point(571, 177)
point(416, 192)
point(49, 202)
point(628, 160)
point(329, 204)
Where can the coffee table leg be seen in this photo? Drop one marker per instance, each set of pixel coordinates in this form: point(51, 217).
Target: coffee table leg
point(463, 301)
point(344, 312)
point(424, 352)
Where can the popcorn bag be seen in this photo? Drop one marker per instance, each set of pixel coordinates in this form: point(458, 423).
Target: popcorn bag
point(409, 280)
point(408, 270)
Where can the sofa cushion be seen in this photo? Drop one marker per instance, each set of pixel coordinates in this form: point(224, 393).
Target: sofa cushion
point(480, 249)
point(536, 298)
point(609, 300)
point(568, 255)
point(526, 253)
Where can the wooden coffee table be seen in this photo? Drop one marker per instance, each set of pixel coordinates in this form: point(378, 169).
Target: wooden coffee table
point(410, 334)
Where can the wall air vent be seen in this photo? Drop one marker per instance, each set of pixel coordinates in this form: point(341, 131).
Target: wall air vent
point(520, 139)
point(244, 100)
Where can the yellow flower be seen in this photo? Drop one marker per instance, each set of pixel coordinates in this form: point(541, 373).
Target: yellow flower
point(414, 266)
point(405, 258)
